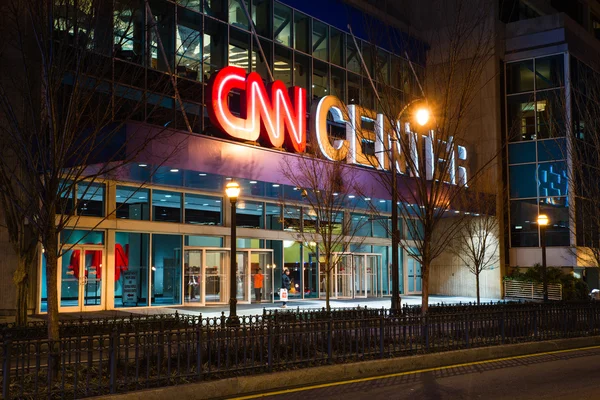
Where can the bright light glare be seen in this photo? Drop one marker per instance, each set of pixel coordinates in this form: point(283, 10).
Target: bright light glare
point(233, 190)
point(422, 116)
point(542, 219)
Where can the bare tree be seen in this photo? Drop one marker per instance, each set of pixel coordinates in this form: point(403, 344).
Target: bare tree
point(329, 189)
point(477, 241)
point(65, 104)
point(432, 163)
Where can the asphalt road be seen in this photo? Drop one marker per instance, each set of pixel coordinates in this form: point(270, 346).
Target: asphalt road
point(560, 375)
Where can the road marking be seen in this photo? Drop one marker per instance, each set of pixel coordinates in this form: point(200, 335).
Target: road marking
point(397, 374)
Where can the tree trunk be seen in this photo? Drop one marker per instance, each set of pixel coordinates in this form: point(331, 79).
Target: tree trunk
point(52, 289)
point(21, 280)
point(425, 287)
point(477, 287)
point(328, 288)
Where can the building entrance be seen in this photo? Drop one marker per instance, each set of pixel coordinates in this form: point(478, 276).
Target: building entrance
point(82, 279)
point(356, 275)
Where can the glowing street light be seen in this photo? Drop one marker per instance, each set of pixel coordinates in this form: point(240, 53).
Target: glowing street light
point(232, 190)
point(422, 116)
point(542, 221)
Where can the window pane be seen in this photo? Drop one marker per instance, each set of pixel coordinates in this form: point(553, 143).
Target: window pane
point(282, 70)
point(320, 84)
point(165, 28)
point(239, 49)
point(291, 217)
point(261, 15)
point(188, 44)
point(259, 64)
point(553, 149)
point(133, 203)
point(338, 83)
point(550, 114)
point(523, 223)
point(166, 206)
point(166, 270)
point(282, 22)
point(519, 153)
point(202, 210)
point(382, 67)
point(128, 26)
point(522, 181)
point(352, 59)
point(337, 47)
point(549, 72)
point(215, 40)
point(519, 77)
point(552, 179)
point(203, 241)
point(520, 118)
point(360, 225)
point(302, 73)
point(353, 89)
point(301, 32)
point(66, 203)
point(90, 199)
point(320, 40)
point(557, 210)
point(273, 213)
point(216, 8)
point(249, 214)
point(78, 236)
point(237, 15)
point(132, 269)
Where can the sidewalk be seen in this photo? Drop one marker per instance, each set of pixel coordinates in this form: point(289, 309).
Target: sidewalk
point(257, 309)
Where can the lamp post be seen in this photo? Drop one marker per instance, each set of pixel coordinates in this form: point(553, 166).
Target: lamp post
point(543, 222)
point(232, 189)
point(422, 116)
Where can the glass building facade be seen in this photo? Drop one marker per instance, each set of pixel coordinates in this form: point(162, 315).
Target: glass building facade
point(166, 236)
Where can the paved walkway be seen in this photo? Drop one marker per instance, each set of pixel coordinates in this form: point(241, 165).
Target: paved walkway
point(255, 309)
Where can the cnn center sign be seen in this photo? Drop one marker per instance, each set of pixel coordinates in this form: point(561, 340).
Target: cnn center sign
point(276, 115)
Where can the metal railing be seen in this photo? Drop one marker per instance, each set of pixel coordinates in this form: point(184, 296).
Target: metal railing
point(110, 356)
point(530, 290)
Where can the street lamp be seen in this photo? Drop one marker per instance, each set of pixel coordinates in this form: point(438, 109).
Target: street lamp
point(422, 117)
point(543, 222)
point(232, 189)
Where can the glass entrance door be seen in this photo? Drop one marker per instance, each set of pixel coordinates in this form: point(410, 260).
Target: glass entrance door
point(215, 266)
point(360, 276)
point(193, 283)
point(81, 279)
point(261, 263)
point(242, 276)
point(413, 270)
point(343, 277)
point(373, 271)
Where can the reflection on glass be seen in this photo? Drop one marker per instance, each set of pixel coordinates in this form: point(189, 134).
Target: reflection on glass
point(338, 83)
point(239, 49)
point(301, 32)
point(282, 69)
point(521, 118)
point(216, 290)
point(128, 28)
point(192, 280)
point(523, 223)
point(519, 76)
point(202, 210)
point(131, 269)
point(133, 203)
point(282, 22)
point(214, 42)
point(166, 269)
point(320, 43)
point(549, 72)
point(188, 44)
point(237, 15)
point(261, 16)
point(249, 214)
point(320, 84)
point(353, 89)
point(273, 216)
point(166, 206)
point(90, 199)
point(552, 179)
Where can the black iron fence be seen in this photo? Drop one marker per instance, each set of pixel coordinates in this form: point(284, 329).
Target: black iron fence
point(98, 357)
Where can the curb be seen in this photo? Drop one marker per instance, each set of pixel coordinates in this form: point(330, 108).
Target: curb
point(237, 386)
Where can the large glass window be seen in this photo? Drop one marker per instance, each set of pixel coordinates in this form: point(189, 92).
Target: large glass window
point(549, 72)
point(273, 216)
point(215, 40)
point(382, 67)
point(320, 40)
point(237, 15)
point(249, 214)
point(352, 58)
point(202, 210)
point(166, 206)
point(90, 199)
point(320, 84)
point(163, 30)
point(133, 203)
point(128, 25)
point(353, 89)
point(338, 83)
point(552, 179)
point(337, 47)
point(261, 64)
point(523, 223)
point(188, 44)
point(131, 269)
point(261, 15)
point(523, 181)
point(239, 49)
point(166, 270)
point(519, 153)
point(302, 73)
point(549, 114)
point(521, 118)
point(553, 149)
point(301, 42)
point(203, 241)
point(557, 210)
point(282, 24)
point(291, 218)
point(361, 225)
point(519, 77)
point(282, 69)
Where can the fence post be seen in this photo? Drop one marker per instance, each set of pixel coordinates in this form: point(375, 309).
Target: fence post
point(329, 340)
point(535, 324)
point(6, 367)
point(426, 328)
point(381, 333)
point(270, 345)
point(467, 330)
point(199, 347)
point(113, 351)
point(502, 324)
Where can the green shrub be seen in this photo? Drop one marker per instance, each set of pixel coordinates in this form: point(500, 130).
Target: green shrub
point(572, 288)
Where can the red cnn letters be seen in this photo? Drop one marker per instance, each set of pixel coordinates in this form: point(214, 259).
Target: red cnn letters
point(277, 118)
